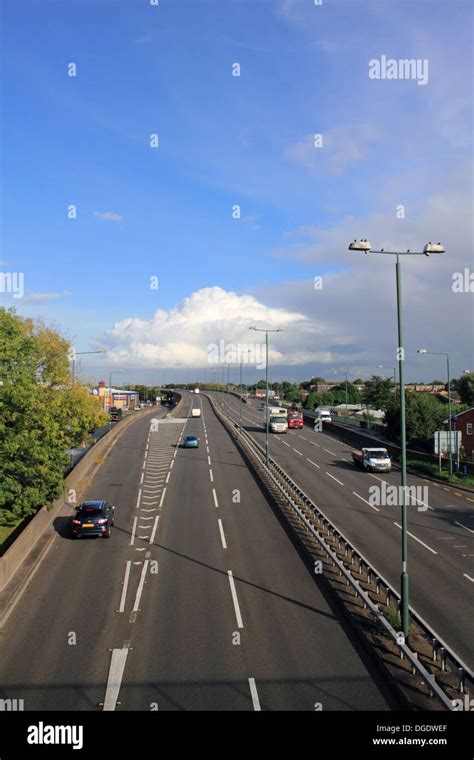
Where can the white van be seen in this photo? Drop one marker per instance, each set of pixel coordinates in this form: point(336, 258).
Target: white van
point(323, 415)
point(195, 412)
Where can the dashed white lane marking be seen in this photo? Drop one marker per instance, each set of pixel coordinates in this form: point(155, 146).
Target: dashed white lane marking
point(315, 444)
point(221, 531)
point(463, 526)
point(155, 526)
point(302, 436)
point(168, 477)
point(125, 586)
point(367, 502)
point(286, 444)
point(143, 475)
point(330, 452)
point(235, 600)
point(337, 481)
point(311, 462)
point(298, 452)
point(134, 528)
point(211, 476)
point(140, 586)
point(377, 478)
point(468, 577)
point(215, 497)
point(254, 695)
point(417, 539)
point(162, 498)
point(209, 460)
point(117, 666)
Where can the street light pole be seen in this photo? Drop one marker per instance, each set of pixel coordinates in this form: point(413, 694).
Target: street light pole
point(114, 372)
point(259, 329)
point(74, 353)
point(365, 246)
point(335, 372)
point(450, 444)
point(401, 374)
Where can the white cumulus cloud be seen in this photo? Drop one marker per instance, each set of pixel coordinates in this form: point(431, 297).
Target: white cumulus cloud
point(210, 320)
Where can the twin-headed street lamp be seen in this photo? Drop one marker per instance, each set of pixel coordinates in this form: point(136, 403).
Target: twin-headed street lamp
point(266, 331)
point(365, 247)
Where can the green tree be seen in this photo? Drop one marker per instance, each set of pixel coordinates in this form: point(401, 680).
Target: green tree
point(466, 388)
point(378, 392)
point(292, 394)
point(41, 415)
point(339, 394)
point(424, 415)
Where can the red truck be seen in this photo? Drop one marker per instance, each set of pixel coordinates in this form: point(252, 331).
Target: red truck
point(295, 419)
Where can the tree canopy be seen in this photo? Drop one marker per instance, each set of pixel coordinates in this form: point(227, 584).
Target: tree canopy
point(41, 413)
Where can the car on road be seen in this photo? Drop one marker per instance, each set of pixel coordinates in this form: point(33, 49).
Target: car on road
point(190, 442)
point(93, 518)
point(295, 419)
point(278, 424)
point(116, 414)
point(373, 460)
point(323, 415)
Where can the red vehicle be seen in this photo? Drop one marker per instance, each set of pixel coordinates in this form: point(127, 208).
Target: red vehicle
point(295, 419)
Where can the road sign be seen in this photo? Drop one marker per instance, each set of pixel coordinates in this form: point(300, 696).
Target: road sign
point(441, 441)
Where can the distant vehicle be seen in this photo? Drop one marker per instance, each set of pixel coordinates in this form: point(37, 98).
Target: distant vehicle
point(323, 415)
point(278, 424)
point(191, 442)
point(295, 419)
point(373, 460)
point(116, 414)
point(93, 518)
point(277, 411)
point(196, 390)
point(195, 412)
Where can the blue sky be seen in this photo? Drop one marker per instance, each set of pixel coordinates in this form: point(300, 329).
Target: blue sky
point(225, 140)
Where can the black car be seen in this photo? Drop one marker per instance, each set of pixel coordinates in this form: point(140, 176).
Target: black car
point(116, 414)
point(93, 518)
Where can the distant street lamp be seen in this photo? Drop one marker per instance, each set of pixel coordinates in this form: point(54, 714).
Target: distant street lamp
point(240, 423)
point(335, 372)
point(114, 372)
point(73, 353)
point(450, 445)
point(365, 246)
point(259, 329)
point(383, 366)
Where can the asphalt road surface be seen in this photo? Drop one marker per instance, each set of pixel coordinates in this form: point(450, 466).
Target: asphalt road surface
point(440, 522)
point(199, 601)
